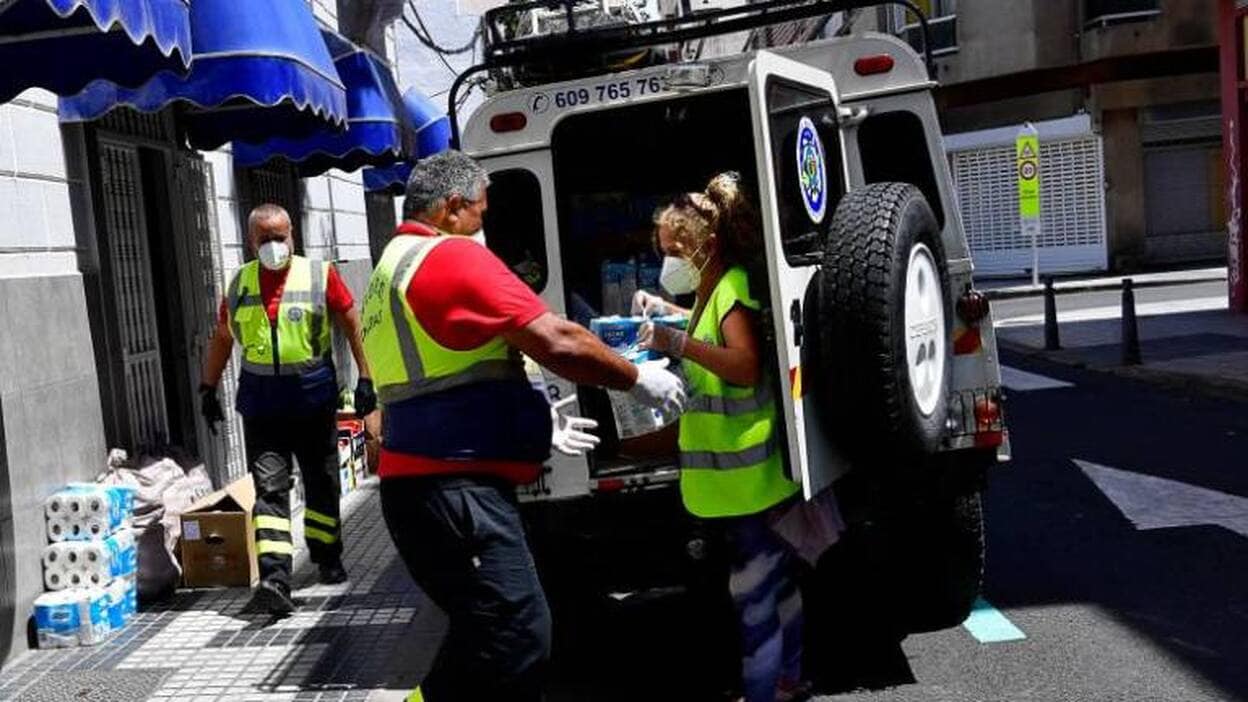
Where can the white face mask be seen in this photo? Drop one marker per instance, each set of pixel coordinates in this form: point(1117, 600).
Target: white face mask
point(679, 276)
point(274, 255)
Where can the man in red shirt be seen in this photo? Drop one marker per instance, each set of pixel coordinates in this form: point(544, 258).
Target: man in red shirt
point(445, 322)
point(278, 309)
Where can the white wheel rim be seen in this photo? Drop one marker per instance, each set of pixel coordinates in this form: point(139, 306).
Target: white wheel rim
point(925, 329)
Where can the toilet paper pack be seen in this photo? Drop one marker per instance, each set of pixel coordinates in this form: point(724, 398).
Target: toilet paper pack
point(57, 619)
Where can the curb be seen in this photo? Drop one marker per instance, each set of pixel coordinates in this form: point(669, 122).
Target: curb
point(1207, 386)
point(1094, 286)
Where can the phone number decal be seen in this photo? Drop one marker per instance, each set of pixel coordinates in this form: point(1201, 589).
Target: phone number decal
point(593, 94)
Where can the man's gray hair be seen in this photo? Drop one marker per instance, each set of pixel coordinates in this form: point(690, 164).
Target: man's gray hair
point(266, 212)
point(436, 179)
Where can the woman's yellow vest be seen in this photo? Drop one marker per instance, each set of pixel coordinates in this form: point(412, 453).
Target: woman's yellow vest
point(730, 458)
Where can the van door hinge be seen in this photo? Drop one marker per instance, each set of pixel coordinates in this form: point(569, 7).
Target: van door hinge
point(795, 315)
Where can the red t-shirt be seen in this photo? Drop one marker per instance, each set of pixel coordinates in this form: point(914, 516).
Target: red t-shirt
point(464, 296)
point(272, 283)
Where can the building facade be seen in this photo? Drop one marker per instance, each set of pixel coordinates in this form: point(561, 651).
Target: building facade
point(116, 243)
point(1144, 76)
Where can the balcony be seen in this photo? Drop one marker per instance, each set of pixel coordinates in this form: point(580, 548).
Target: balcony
point(944, 35)
point(1102, 13)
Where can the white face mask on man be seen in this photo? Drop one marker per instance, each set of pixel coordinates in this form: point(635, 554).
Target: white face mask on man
point(274, 255)
point(679, 276)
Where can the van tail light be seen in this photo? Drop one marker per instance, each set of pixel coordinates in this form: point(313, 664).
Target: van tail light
point(610, 485)
point(508, 122)
point(873, 65)
point(989, 431)
point(973, 306)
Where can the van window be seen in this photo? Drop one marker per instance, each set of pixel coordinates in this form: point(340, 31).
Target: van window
point(514, 228)
point(789, 107)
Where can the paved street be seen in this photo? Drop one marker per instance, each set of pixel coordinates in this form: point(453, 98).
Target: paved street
point(1110, 612)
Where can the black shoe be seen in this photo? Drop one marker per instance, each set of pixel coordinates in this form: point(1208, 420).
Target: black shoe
point(274, 598)
point(333, 573)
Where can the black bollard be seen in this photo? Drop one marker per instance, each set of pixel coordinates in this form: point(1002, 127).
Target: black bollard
point(1130, 329)
point(1051, 340)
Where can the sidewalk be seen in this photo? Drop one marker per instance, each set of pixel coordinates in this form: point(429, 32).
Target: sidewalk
point(1004, 289)
point(1206, 351)
point(369, 639)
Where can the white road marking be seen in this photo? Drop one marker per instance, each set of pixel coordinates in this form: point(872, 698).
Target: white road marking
point(1023, 381)
point(1149, 502)
point(1145, 309)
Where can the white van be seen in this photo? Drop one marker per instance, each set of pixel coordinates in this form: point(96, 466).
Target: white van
point(883, 353)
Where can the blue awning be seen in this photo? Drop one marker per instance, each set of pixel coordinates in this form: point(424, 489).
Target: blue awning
point(379, 132)
point(260, 70)
point(62, 45)
point(433, 134)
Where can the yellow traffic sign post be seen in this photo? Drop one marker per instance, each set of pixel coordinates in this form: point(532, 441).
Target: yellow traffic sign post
point(1027, 148)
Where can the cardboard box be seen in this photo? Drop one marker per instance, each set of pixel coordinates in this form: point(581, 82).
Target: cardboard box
point(218, 544)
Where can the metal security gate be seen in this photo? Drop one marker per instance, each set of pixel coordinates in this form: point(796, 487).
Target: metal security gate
point(277, 184)
point(146, 421)
point(1072, 198)
point(200, 268)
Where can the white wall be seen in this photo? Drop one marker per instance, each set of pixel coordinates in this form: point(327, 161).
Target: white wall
point(37, 231)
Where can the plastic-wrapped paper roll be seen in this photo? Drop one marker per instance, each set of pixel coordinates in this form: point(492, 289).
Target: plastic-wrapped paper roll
point(55, 579)
point(59, 528)
point(118, 609)
point(56, 556)
point(57, 623)
point(75, 504)
point(93, 624)
point(95, 503)
point(54, 506)
point(93, 527)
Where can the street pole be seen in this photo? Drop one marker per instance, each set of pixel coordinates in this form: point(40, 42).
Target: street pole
point(1027, 150)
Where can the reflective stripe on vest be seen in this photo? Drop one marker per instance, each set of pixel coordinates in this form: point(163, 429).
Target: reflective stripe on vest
point(302, 342)
point(405, 360)
point(729, 451)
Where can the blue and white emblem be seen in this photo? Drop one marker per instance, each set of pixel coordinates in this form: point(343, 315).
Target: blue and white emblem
point(812, 173)
point(294, 314)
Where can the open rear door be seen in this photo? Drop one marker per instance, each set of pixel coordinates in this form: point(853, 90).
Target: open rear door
point(801, 177)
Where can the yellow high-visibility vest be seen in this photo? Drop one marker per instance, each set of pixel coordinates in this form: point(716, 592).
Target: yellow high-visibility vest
point(730, 458)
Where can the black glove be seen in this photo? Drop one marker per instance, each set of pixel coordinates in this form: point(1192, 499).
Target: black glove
point(365, 398)
point(210, 407)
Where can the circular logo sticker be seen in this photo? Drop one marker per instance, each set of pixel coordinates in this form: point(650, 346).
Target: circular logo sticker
point(295, 314)
point(540, 103)
point(1027, 170)
point(812, 174)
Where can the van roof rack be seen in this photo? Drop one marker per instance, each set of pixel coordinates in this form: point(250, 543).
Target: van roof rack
point(576, 42)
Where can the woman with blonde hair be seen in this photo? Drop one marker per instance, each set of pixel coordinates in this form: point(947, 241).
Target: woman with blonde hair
point(732, 471)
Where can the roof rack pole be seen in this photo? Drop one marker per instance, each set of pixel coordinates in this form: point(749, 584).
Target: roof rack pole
point(707, 28)
point(452, 109)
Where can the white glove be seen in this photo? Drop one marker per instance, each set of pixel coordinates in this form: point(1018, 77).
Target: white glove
point(662, 339)
point(650, 305)
point(658, 387)
point(571, 436)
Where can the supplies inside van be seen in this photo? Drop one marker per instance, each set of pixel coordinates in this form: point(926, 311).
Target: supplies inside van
point(633, 419)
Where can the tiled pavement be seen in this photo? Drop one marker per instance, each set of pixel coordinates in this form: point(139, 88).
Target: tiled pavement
point(369, 639)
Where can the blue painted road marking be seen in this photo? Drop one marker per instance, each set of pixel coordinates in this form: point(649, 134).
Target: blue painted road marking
point(988, 625)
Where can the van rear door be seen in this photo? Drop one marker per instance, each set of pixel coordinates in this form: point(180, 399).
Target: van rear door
point(801, 177)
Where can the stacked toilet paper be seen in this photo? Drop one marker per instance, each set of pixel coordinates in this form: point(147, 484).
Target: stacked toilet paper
point(83, 512)
point(89, 567)
point(76, 563)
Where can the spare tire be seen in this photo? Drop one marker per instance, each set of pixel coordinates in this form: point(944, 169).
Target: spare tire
point(885, 315)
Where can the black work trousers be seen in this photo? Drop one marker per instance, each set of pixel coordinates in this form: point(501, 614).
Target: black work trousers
point(271, 443)
point(463, 542)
